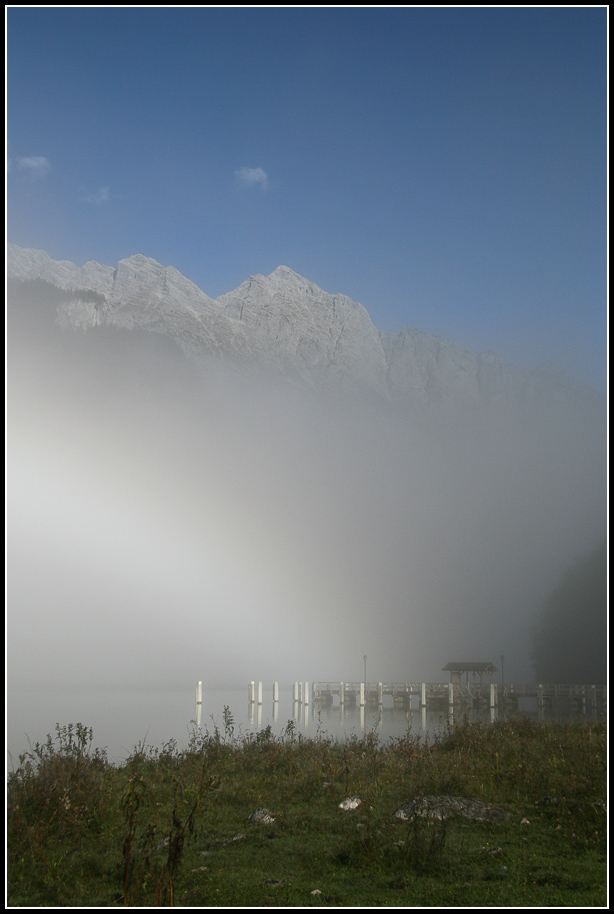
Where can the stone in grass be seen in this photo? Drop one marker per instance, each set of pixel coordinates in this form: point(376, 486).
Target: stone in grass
point(351, 803)
point(238, 837)
point(446, 807)
point(261, 817)
point(395, 846)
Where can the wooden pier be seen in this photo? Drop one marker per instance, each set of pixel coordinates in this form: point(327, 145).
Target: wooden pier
point(445, 695)
point(438, 696)
point(431, 695)
point(579, 696)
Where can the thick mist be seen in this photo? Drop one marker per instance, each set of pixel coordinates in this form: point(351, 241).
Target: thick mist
point(170, 521)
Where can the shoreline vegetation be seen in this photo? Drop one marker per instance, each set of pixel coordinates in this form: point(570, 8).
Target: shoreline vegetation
point(507, 814)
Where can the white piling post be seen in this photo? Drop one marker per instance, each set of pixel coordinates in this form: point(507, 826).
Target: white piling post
point(380, 693)
point(423, 695)
point(451, 694)
point(275, 691)
point(300, 692)
point(251, 691)
point(199, 693)
point(259, 693)
point(295, 691)
point(362, 694)
point(341, 693)
point(306, 693)
point(493, 695)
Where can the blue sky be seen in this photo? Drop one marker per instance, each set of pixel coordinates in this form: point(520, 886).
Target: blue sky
point(446, 168)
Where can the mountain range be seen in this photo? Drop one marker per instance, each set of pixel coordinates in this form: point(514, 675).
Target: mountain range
point(289, 325)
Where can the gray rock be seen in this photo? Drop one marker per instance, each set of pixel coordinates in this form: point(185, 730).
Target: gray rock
point(431, 807)
point(261, 817)
point(351, 803)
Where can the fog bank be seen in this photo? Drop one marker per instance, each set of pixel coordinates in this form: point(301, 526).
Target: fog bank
point(173, 521)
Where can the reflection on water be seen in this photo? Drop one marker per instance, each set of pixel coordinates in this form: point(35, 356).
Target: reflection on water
point(123, 718)
point(343, 721)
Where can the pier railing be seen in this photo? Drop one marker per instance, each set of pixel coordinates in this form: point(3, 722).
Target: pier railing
point(431, 694)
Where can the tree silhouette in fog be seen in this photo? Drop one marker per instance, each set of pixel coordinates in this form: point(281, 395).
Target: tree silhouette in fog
point(570, 638)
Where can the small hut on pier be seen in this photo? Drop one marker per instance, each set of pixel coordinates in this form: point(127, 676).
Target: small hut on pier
point(476, 669)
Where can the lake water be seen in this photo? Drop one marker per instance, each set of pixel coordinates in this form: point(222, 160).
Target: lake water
point(121, 718)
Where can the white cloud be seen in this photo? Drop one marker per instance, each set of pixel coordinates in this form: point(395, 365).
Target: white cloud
point(100, 196)
point(251, 177)
point(36, 166)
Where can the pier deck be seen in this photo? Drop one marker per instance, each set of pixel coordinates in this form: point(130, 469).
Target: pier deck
point(444, 694)
point(434, 695)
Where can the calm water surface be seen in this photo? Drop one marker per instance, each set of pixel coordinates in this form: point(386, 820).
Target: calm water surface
point(123, 718)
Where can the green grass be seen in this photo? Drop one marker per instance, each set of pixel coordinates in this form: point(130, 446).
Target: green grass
point(157, 830)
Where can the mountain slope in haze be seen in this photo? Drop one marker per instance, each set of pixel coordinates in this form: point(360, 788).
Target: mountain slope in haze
point(290, 326)
point(187, 516)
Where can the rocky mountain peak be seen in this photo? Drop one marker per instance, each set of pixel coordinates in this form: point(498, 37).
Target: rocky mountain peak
point(292, 327)
point(285, 273)
point(284, 277)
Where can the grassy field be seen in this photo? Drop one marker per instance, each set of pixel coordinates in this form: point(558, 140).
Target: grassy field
point(171, 827)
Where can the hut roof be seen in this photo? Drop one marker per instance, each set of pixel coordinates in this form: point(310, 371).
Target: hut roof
point(472, 667)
